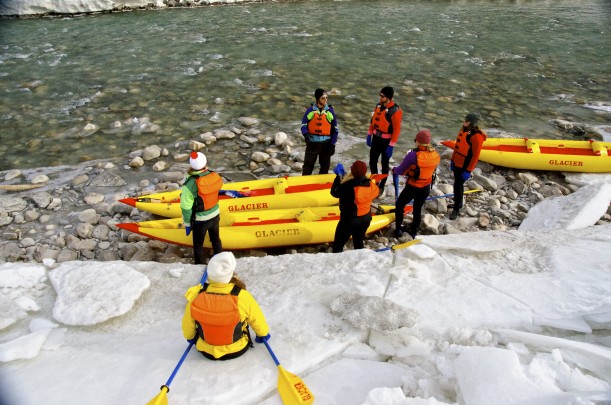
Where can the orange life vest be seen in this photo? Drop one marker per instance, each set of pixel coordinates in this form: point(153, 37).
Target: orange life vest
point(421, 174)
point(208, 185)
point(363, 196)
point(463, 141)
point(382, 119)
point(217, 317)
point(319, 124)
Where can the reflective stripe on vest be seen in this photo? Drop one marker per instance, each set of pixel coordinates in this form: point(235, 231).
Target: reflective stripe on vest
point(217, 317)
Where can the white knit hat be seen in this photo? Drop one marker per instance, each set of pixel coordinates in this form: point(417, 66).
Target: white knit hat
point(221, 267)
point(198, 160)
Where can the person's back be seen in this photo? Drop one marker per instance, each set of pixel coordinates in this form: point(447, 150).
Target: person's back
point(218, 315)
point(355, 192)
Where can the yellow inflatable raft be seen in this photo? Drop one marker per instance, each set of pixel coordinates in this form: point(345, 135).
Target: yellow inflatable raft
point(264, 194)
point(546, 154)
point(262, 229)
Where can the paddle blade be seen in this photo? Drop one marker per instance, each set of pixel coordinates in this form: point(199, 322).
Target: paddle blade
point(161, 398)
point(292, 389)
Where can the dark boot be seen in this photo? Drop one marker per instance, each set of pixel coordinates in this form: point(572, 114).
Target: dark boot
point(454, 214)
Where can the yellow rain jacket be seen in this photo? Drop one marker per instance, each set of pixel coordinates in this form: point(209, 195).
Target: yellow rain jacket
point(250, 314)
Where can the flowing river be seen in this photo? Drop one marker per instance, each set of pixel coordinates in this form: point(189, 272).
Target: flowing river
point(99, 86)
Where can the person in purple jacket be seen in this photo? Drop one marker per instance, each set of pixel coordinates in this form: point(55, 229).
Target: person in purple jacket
point(319, 128)
point(418, 166)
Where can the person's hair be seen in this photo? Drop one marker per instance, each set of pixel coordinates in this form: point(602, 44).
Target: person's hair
point(236, 281)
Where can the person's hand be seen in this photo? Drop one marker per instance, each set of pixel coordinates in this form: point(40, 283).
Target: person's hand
point(332, 150)
point(452, 165)
point(187, 229)
point(369, 141)
point(261, 339)
point(339, 170)
point(389, 151)
point(466, 176)
point(192, 341)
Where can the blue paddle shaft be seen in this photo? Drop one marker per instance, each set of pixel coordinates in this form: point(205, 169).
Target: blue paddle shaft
point(182, 359)
point(271, 352)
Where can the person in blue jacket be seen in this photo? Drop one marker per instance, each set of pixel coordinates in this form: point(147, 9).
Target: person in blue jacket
point(319, 128)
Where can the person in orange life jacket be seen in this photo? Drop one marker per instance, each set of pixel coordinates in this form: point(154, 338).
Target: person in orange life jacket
point(464, 158)
point(355, 192)
point(319, 128)
point(218, 315)
point(199, 205)
point(419, 167)
point(383, 132)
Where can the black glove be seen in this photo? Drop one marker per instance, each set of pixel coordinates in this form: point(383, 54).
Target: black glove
point(332, 150)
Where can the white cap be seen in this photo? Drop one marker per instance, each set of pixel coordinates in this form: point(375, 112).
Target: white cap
point(221, 267)
point(198, 160)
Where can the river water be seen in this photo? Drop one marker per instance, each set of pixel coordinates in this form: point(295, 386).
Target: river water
point(99, 86)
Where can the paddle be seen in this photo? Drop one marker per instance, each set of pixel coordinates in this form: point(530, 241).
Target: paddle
point(395, 182)
point(162, 397)
point(291, 388)
point(399, 246)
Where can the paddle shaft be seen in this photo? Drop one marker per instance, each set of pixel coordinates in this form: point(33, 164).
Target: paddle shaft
point(271, 352)
point(182, 359)
point(184, 355)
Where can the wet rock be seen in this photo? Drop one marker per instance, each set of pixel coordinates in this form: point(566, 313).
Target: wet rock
point(151, 152)
point(12, 204)
point(12, 174)
point(40, 179)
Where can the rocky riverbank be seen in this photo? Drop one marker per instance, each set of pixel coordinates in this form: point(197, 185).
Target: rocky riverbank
point(70, 213)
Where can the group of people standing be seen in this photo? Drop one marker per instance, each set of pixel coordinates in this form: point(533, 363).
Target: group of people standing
point(356, 191)
point(220, 312)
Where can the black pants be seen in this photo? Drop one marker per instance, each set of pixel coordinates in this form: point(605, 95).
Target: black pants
point(317, 150)
point(409, 193)
point(200, 228)
point(378, 148)
point(459, 188)
point(355, 227)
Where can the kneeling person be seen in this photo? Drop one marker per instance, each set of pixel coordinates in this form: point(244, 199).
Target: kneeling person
point(218, 314)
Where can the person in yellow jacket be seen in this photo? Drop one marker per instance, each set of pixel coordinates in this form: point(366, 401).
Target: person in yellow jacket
point(218, 315)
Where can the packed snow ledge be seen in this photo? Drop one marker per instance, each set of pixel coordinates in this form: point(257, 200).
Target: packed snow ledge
point(519, 317)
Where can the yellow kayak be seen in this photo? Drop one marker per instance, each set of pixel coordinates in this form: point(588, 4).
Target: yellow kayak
point(262, 229)
point(546, 154)
point(264, 194)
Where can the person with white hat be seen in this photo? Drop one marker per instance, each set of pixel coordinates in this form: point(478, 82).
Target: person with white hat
point(418, 166)
point(199, 205)
point(218, 315)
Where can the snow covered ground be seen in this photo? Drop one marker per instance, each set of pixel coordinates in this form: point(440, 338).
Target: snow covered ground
point(519, 317)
